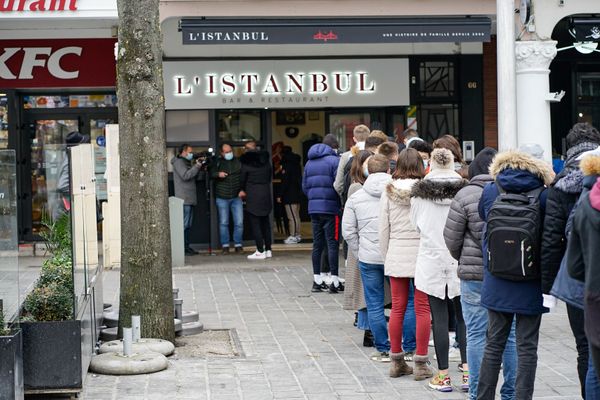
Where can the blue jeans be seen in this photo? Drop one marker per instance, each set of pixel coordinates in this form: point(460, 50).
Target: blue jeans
point(188, 218)
point(476, 320)
point(409, 328)
point(592, 383)
point(363, 320)
point(373, 285)
point(323, 227)
point(235, 206)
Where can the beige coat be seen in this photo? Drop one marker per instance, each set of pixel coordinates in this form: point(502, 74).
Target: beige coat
point(398, 239)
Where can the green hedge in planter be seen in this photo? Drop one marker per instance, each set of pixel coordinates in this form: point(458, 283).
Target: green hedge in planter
point(3, 330)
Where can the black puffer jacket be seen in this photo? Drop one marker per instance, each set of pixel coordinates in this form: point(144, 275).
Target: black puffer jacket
point(464, 228)
point(255, 180)
point(291, 180)
point(562, 196)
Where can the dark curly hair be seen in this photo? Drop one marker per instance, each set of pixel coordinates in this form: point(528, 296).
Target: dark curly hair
point(582, 132)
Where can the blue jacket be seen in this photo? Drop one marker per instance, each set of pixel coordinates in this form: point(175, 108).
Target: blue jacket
point(317, 183)
point(500, 294)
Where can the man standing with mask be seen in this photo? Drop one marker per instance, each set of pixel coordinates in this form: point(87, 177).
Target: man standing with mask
point(226, 173)
point(185, 174)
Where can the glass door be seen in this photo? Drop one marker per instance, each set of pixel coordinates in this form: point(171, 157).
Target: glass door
point(47, 166)
point(342, 126)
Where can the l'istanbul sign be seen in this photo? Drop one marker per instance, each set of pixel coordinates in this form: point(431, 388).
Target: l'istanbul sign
point(286, 83)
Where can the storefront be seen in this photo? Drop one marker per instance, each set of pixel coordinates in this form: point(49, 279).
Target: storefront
point(56, 78)
point(295, 80)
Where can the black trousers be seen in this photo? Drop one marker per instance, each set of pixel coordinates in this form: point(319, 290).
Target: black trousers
point(595, 351)
point(441, 327)
point(261, 230)
point(576, 320)
point(527, 333)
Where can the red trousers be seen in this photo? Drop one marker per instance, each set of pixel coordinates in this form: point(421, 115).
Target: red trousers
point(399, 288)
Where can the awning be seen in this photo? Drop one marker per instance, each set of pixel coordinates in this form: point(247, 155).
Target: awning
point(330, 31)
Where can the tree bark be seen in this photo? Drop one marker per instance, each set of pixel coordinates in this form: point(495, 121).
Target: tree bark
point(146, 279)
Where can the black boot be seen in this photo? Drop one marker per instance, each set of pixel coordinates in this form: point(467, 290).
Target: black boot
point(368, 339)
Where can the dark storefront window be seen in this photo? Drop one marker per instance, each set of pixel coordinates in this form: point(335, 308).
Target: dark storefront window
point(239, 126)
point(436, 120)
point(588, 98)
point(436, 79)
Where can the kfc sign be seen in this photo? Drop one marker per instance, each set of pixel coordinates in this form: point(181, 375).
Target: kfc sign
point(57, 63)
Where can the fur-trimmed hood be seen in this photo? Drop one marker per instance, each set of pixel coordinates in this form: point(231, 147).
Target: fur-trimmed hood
point(590, 165)
point(399, 191)
point(438, 190)
point(521, 161)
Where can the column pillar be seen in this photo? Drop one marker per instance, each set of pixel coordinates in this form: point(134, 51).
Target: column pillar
point(533, 86)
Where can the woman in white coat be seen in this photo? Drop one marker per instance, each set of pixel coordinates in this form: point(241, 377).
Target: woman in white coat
point(436, 270)
point(399, 244)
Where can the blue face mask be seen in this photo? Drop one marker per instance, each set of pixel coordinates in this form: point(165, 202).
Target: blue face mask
point(228, 156)
point(190, 156)
point(425, 163)
point(366, 171)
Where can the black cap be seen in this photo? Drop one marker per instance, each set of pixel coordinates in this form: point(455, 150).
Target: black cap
point(75, 138)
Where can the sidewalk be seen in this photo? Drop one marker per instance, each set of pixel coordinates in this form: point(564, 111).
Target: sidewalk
point(296, 345)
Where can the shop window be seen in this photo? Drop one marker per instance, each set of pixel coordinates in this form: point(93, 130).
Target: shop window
point(239, 126)
point(73, 101)
point(437, 79)
point(436, 120)
point(342, 126)
point(3, 121)
point(187, 126)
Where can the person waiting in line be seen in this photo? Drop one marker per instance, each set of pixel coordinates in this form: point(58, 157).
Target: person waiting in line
point(323, 208)
point(424, 149)
point(451, 143)
point(410, 135)
point(354, 298)
point(360, 228)
point(279, 215)
point(435, 273)
point(359, 135)
point(291, 192)
point(390, 151)
point(399, 244)
point(563, 193)
point(462, 234)
point(226, 173)
point(255, 183)
point(185, 174)
point(509, 289)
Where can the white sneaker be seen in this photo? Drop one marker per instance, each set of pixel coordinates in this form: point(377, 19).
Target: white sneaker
point(290, 240)
point(298, 239)
point(257, 255)
point(268, 254)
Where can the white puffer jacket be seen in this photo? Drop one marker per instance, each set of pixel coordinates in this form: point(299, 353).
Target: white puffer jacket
point(430, 205)
point(360, 222)
point(398, 239)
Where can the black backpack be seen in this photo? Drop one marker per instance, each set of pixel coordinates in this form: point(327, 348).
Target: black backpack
point(514, 229)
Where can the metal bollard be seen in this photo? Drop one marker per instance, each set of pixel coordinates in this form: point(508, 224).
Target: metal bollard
point(137, 328)
point(127, 339)
point(178, 308)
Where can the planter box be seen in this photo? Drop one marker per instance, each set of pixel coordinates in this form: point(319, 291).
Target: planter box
point(11, 367)
point(52, 356)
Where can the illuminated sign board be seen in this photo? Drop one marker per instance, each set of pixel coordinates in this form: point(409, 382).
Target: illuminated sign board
point(286, 83)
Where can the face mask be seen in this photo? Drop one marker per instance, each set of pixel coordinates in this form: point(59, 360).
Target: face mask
point(366, 171)
point(189, 156)
point(425, 163)
point(228, 156)
point(392, 166)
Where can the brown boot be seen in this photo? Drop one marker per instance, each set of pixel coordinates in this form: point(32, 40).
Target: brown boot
point(399, 366)
point(422, 369)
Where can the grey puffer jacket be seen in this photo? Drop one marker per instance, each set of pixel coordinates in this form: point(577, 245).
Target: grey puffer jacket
point(464, 229)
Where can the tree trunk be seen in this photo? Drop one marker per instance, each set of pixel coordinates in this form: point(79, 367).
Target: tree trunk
point(146, 280)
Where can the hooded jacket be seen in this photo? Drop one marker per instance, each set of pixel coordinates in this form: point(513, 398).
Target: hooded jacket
point(515, 172)
point(317, 182)
point(583, 256)
point(255, 180)
point(562, 196)
point(430, 204)
point(291, 179)
point(184, 180)
point(398, 239)
point(464, 229)
point(360, 222)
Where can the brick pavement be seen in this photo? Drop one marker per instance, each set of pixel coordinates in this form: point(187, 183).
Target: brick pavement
point(296, 345)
